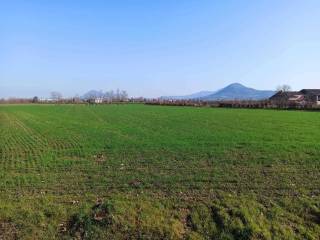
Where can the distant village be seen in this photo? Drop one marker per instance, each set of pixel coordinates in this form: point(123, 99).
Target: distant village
point(91, 97)
point(283, 98)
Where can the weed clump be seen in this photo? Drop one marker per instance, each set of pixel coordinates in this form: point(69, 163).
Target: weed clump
point(123, 219)
point(86, 224)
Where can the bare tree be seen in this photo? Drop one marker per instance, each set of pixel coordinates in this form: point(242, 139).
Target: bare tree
point(284, 88)
point(56, 96)
point(123, 95)
point(76, 98)
point(109, 95)
point(118, 94)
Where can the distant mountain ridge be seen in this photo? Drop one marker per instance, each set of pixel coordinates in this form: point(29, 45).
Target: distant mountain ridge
point(239, 92)
point(234, 91)
point(197, 95)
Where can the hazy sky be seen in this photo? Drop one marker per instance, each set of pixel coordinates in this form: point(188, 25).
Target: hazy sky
point(157, 47)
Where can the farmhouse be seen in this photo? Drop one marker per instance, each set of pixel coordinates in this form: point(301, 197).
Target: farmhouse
point(305, 96)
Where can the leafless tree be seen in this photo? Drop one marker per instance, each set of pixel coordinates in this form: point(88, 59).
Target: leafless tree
point(284, 88)
point(123, 95)
point(118, 96)
point(56, 96)
point(76, 99)
point(109, 95)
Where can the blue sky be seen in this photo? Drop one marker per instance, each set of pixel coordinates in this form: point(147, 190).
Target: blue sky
point(159, 47)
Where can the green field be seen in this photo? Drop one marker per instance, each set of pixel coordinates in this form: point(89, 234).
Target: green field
point(152, 172)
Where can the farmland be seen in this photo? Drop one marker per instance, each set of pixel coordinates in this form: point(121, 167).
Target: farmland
point(149, 172)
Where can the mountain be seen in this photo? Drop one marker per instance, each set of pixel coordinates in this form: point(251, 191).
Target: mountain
point(197, 95)
point(238, 91)
point(231, 92)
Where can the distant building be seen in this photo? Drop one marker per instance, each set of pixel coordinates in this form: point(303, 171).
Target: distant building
point(98, 100)
point(95, 100)
point(305, 96)
point(47, 100)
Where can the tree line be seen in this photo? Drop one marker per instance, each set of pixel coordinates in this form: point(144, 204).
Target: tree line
point(89, 97)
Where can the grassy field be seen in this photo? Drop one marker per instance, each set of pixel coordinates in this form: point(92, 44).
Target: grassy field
point(150, 172)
